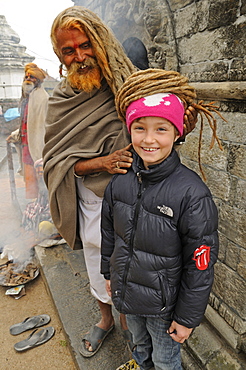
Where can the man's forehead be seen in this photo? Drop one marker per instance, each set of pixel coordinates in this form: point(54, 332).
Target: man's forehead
point(70, 34)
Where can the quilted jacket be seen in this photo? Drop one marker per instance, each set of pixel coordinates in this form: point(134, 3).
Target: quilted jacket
point(160, 241)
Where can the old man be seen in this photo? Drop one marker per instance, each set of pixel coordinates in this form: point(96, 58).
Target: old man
point(33, 107)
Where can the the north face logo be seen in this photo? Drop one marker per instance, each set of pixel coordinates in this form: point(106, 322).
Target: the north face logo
point(202, 257)
point(166, 210)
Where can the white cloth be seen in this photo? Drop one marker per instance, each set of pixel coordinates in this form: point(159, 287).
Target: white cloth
point(37, 109)
point(90, 233)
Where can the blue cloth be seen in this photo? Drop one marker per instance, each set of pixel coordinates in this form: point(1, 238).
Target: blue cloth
point(154, 347)
point(11, 114)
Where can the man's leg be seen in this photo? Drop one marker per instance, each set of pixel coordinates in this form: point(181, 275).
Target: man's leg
point(90, 233)
point(107, 319)
point(123, 322)
point(106, 322)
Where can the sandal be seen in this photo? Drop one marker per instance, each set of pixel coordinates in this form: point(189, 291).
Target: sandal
point(29, 323)
point(35, 339)
point(95, 337)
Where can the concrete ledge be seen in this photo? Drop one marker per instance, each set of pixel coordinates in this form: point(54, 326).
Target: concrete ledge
point(225, 330)
point(207, 350)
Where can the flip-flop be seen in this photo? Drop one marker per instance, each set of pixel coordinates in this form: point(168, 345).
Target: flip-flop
point(29, 323)
point(35, 339)
point(96, 338)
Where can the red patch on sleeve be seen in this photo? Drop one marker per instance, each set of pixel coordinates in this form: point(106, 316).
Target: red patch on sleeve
point(202, 257)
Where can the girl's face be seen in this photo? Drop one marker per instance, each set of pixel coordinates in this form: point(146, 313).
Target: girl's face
point(153, 138)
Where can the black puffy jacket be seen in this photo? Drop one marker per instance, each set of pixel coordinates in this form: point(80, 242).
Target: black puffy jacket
point(160, 241)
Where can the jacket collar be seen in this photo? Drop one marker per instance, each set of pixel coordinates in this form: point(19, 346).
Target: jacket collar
point(157, 172)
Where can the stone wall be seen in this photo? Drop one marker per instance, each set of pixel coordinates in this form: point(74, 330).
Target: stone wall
point(205, 40)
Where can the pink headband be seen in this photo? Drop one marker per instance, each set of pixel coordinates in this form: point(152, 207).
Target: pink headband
point(165, 105)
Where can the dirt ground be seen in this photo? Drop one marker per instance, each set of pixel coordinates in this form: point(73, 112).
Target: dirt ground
point(52, 355)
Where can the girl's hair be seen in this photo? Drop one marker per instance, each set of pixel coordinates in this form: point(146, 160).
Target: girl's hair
point(110, 55)
point(152, 81)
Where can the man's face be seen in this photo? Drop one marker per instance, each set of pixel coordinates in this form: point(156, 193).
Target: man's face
point(29, 83)
point(73, 46)
point(76, 53)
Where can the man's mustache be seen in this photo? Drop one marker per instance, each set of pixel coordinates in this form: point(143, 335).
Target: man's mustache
point(88, 62)
point(28, 83)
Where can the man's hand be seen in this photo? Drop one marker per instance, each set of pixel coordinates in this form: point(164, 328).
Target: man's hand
point(13, 137)
point(178, 332)
point(114, 162)
point(190, 120)
point(10, 139)
point(117, 162)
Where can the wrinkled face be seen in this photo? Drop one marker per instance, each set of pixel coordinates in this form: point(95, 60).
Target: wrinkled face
point(153, 138)
point(73, 46)
point(29, 83)
point(76, 53)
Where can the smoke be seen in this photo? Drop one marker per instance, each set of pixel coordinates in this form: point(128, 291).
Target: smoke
point(15, 243)
point(19, 251)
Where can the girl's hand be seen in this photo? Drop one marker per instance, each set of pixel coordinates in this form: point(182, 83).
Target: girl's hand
point(108, 287)
point(178, 332)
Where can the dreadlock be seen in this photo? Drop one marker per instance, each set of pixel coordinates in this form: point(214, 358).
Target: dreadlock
point(152, 81)
point(115, 65)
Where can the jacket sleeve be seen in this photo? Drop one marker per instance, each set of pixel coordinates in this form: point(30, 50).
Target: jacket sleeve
point(198, 225)
point(107, 231)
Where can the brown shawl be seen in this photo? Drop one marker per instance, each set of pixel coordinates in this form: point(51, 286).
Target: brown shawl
point(79, 126)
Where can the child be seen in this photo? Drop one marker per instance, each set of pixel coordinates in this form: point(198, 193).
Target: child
point(159, 225)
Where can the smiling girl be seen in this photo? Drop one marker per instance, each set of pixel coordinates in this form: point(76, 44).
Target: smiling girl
point(159, 226)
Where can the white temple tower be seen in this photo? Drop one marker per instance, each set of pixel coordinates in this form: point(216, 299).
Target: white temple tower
point(12, 60)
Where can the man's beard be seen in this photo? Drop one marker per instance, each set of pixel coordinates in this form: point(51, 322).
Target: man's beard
point(27, 87)
point(84, 81)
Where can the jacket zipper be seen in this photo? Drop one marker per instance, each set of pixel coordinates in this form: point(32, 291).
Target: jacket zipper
point(135, 218)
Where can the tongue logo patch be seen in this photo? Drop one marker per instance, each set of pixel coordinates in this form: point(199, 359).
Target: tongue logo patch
point(202, 257)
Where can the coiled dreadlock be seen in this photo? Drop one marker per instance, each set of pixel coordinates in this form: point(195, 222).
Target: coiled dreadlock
point(153, 81)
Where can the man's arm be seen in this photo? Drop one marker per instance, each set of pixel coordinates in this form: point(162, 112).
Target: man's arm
point(111, 163)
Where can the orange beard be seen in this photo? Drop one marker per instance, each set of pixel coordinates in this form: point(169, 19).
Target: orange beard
point(84, 81)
